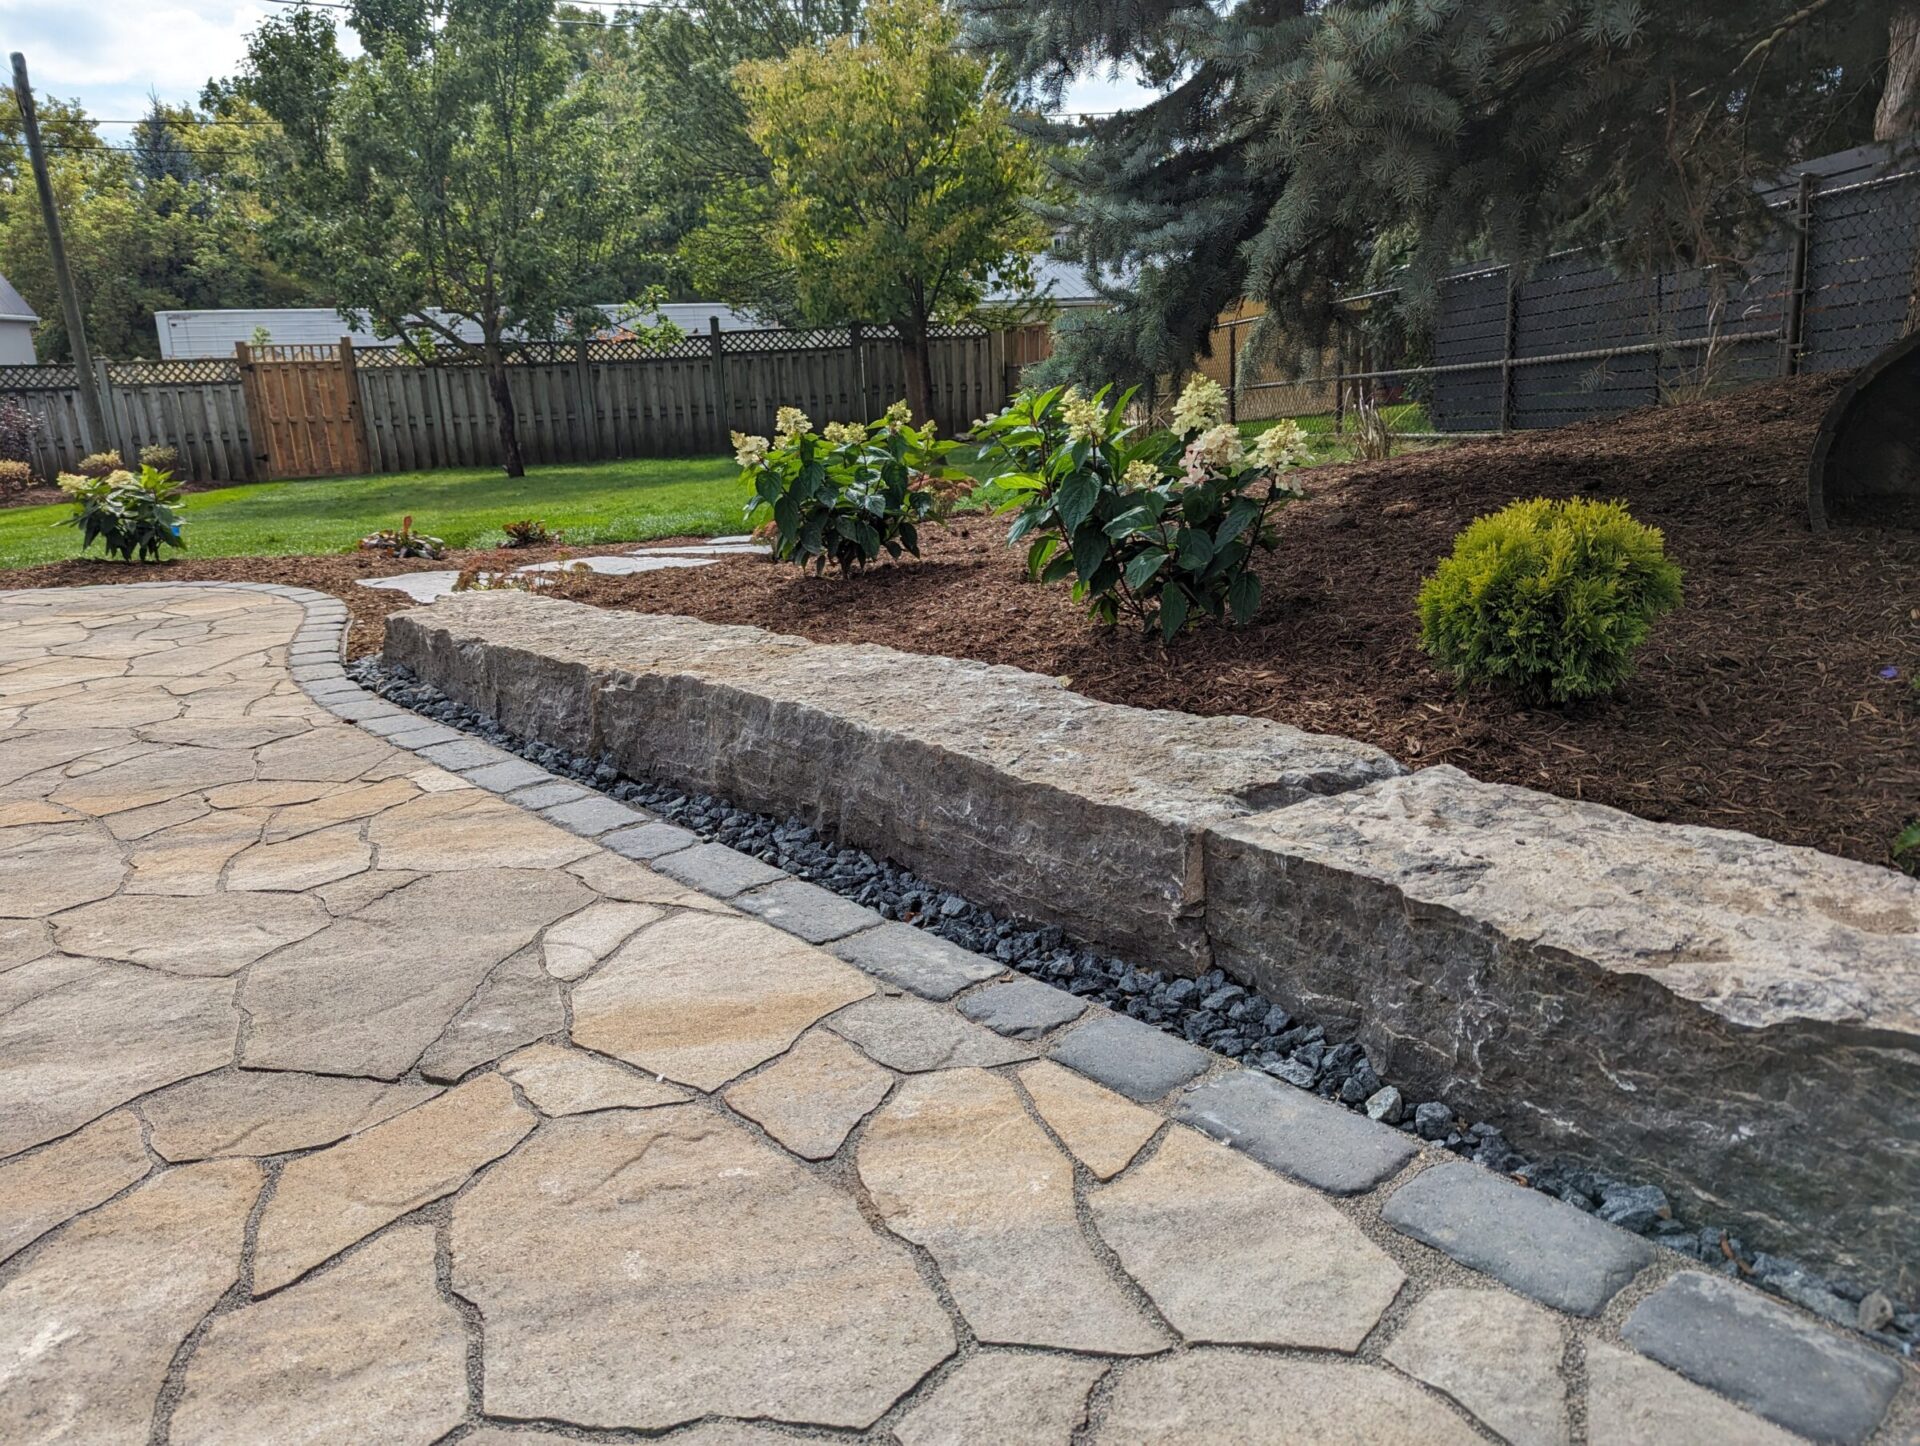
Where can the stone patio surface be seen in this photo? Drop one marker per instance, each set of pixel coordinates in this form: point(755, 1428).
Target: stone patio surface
point(350, 1093)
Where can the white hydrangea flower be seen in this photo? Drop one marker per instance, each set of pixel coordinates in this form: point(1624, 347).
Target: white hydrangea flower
point(1202, 405)
point(749, 451)
point(1140, 473)
point(1284, 444)
point(841, 433)
point(789, 423)
point(898, 415)
point(1218, 449)
point(1086, 419)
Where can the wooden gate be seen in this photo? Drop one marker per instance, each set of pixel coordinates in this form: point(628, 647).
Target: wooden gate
point(304, 405)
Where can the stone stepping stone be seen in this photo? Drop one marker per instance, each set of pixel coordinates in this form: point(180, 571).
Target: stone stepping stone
point(617, 566)
point(711, 549)
point(1498, 1356)
point(423, 587)
point(811, 1098)
point(1103, 1131)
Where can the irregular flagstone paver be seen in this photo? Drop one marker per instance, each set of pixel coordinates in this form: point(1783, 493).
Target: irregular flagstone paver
point(1245, 1400)
point(519, 1003)
point(54, 868)
point(1140, 1061)
point(370, 994)
point(217, 935)
point(1298, 1134)
point(953, 1163)
point(1022, 1008)
point(300, 863)
point(366, 1351)
point(1775, 1362)
point(914, 1036)
point(51, 1186)
point(912, 958)
point(1633, 1402)
point(247, 1112)
point(154, 776)
point(817, 915)
point(325, 1202)
point(1103, 1130)
point(1231, 1254)
point(741, 1284)
point(469, 829)
point(351, 895)
point(1494, 1353)
point(572, 1082)
point(703, 999)
point(614, 877)
point(574, 945)
point(999, 1396)
point(811, 1098)
point(106, 1033)
point(327, 755)
point(1540, 1246)
point(91, 1322)
point(140, 823)
point(711, 1433)
point(329, 804)
point(188, 858)
point(23, 939)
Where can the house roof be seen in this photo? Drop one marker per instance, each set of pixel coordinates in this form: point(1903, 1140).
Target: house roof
point(13, 306)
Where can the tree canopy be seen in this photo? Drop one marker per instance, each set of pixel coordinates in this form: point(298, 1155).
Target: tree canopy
point(1303, 146)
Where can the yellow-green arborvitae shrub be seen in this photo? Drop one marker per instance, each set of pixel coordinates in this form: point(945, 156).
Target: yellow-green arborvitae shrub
point(1548, 599)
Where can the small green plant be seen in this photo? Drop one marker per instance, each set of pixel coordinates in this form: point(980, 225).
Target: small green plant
point(15, 476)
point(101, 464)
point(130, 516)
point(160, 457)
point(845, 494)
point(1549, 599)
point(404, 541)
point(1162, 536)
point(1906, 848)
point(529, 532)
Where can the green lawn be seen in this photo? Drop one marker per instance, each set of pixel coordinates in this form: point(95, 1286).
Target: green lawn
point(591, 502)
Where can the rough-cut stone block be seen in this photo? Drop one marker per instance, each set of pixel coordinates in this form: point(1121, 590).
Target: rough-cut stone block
point(1770, 1359)
point(1296, 1133)
point(1023, 1008)
point(1540, 1246)
point(1603, 987)
point(718, 870)
point(508, 775)
point(912, 958)
point(998, 783)
point(817, 915)
point(592, 816)
point(1140, 1061)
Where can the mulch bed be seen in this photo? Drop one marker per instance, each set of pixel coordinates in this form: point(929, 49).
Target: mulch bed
point(1758, 706)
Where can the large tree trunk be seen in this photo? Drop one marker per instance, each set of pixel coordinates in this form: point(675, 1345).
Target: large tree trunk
point(510, 459)
point(1899, 113)
point(919, 367)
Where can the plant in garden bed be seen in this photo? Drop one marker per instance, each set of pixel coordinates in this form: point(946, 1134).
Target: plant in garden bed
point(529, 532)
point(160, 457)
point(131, 516)
point(18, 428)
point(14, 476)
point(845, 494)
point(1548, 599)
point(404, 542)
point(1163, 533)
point(100, 465)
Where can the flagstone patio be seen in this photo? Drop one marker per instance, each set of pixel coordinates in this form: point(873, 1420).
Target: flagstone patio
point(346, 1096)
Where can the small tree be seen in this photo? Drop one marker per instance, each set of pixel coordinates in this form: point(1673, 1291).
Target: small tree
point(898, 184)
point(462, 169)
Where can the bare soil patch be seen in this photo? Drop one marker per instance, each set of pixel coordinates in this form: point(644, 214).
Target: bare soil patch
point(1759, 706)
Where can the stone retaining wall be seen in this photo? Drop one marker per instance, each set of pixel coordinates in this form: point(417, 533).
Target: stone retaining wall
point(1734, 1019)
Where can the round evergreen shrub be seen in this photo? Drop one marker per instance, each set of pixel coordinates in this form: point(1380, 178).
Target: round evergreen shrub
point(1548, 599)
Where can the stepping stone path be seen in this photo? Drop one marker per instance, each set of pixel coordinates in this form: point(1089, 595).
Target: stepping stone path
point(435, 583)
point(356, 1093)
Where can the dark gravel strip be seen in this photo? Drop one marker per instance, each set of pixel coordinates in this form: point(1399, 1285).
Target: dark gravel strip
point(1210, 1011)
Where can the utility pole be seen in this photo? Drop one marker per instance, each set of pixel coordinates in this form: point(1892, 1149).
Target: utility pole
point(91, 411)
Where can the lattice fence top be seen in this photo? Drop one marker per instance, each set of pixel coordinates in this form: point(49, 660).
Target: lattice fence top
point(179, 373)
point(295, 351)
point(37, 379)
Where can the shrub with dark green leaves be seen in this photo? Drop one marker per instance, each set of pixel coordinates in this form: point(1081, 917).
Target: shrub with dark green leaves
point(845, 494)
point(1548, 599)
point(160, 457)
point(130, 516)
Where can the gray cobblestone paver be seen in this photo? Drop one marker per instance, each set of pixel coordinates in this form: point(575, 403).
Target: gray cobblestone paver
point(311, 1047)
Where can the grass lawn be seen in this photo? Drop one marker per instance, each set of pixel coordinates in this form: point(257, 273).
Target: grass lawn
point(591, 502)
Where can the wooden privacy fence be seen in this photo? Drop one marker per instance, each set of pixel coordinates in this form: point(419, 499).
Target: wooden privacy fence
point(317, 411)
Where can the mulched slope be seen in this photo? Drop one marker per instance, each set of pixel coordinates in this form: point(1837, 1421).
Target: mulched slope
point(1757, 707)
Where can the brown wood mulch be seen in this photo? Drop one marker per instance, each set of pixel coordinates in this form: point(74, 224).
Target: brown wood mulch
point(1758, 706)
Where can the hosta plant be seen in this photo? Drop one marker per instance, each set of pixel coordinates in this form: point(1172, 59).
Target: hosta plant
point(1548, 599)
point(403, 542)
point(1160, 531)
point(846, 493)
point(131, 517)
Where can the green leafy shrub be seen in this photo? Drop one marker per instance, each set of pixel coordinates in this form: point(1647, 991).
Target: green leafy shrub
point(1161, 532)
point(98, 465)
point(529, 532)
point(1906, 847)
point(160, 457)
point(131, 516)
point(403, 541)
point(1548, 599)
point(845, 494)
point(15, 476)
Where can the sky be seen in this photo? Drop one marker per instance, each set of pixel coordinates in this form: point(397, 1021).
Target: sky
point(111, 54)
